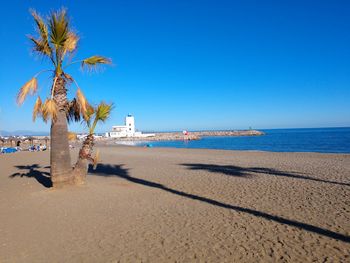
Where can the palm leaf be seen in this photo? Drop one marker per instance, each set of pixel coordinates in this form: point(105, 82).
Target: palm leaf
point(82, 102)
point(67, 77)
point(94, 61)
point(42, 28)
point(41, 46)
point(58, 24)
point(89, 113)
point(71, 42)
point(44, 35)
point(49, 110)
point(73, 113)
point(30, 86)
point(37, 108)
point(103, 111)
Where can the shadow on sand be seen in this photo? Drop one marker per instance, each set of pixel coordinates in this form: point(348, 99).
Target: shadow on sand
point(32, 171)
point(249, 171)
point(118, 171)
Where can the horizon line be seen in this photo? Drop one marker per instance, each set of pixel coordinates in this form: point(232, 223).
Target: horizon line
point(194, 130)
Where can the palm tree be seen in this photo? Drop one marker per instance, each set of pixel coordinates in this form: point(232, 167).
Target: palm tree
point(94, 115)
point(57, 42)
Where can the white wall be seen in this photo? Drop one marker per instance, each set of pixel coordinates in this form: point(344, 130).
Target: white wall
point(130, 124)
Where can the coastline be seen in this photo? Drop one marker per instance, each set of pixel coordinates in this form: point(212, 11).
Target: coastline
point(118, 145)
point(329, 140)
point(322, 140)
point(160, 136)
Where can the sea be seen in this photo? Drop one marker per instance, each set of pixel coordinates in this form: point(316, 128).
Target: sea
point(321, 140)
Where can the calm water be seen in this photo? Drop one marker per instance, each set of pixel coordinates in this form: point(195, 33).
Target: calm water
point(324, 140)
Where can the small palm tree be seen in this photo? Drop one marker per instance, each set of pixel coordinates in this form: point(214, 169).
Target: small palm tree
point(58, 42)
point(93, 116)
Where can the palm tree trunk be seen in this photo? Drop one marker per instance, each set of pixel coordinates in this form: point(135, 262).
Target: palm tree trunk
point(82, 165)
point(61, 169)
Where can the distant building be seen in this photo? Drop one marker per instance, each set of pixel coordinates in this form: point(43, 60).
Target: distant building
point(127, 130)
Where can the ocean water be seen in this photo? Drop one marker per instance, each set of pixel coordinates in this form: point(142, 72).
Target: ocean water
point(322, 140)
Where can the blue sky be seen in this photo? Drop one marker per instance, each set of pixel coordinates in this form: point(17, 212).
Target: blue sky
point(194, 64)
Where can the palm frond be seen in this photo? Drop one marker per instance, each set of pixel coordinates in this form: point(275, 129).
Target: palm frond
point(83, 103)
point(42, 28)
point(42, 44)
point(103, 111)
point(37, 108)
point(92, 62)
point(71, 42)
point(67, 77)
point(30, 86)
point(73, 113)
point(58, 24)
point(87, 117)
point(49, 110)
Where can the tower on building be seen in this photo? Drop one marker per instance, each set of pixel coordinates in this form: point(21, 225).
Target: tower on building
point(130, 124)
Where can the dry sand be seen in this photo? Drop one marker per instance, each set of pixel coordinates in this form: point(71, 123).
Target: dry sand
point(178, 205)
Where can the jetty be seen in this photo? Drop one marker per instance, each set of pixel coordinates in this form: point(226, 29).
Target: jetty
point(197, 135)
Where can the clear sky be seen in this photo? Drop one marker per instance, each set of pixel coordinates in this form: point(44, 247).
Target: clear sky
point(194, 64)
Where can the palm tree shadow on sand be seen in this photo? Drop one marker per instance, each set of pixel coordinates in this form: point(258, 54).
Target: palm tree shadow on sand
point(108, 170)
point(32, 171)
point(232, 170)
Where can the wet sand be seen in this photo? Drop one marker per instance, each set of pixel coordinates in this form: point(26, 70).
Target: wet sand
point(179, 205)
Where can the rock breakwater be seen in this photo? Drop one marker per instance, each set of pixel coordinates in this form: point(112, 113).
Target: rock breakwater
point(175, 136)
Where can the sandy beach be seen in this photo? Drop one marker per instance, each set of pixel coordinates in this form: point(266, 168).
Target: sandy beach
point(178, 205)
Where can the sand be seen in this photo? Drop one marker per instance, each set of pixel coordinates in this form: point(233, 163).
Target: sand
point(179, 205)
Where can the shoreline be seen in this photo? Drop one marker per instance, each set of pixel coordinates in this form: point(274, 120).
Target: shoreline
point(210, 149)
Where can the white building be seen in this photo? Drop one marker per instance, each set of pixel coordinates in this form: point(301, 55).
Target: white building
point(127, 130)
